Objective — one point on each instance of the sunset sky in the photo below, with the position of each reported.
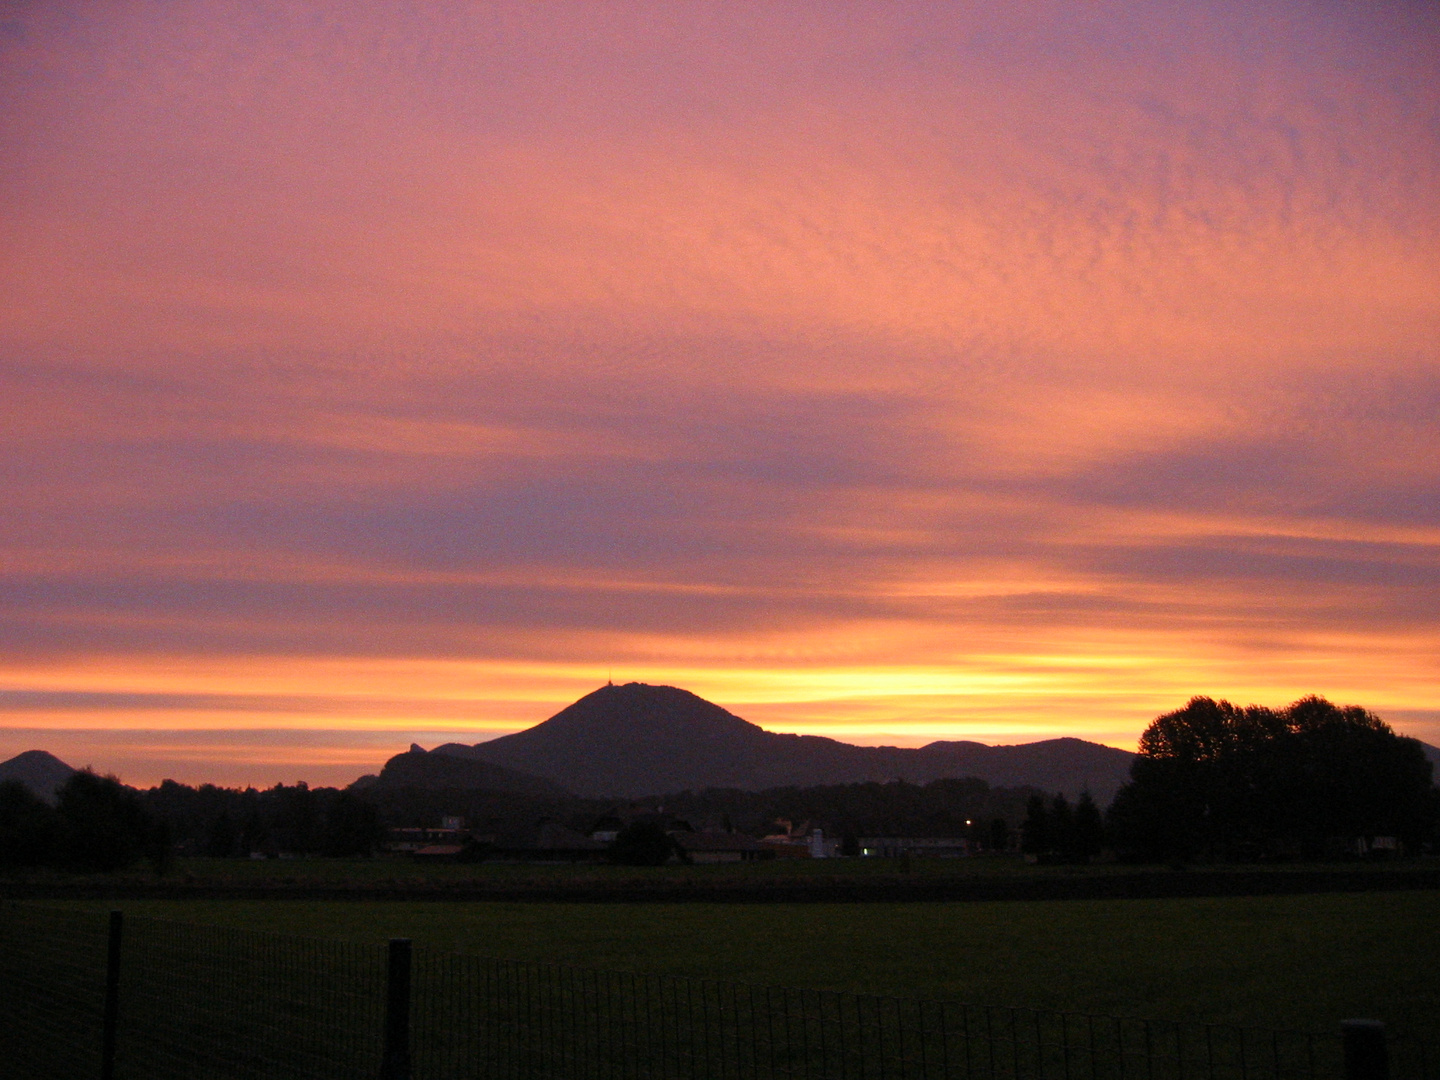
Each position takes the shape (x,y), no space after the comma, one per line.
(377,373)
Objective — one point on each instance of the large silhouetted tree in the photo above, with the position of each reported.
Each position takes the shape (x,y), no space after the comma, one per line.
(1214,780)
(642,844)
(1089,830)
(28,827)
(352,827)
(103,825)
(1062,827)
(1035,829)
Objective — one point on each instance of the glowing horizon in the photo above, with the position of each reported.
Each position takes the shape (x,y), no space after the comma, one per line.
(934,371)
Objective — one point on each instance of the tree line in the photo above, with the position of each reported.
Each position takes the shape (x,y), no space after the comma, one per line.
(964,808)
(1211,781)
(96,824)
(1055,831)
(99,824)
(968,808)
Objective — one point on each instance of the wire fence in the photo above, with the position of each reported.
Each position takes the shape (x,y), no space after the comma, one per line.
(205,1002)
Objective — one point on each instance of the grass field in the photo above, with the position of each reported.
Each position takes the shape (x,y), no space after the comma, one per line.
(401,871)
(404,872)
(1296,961)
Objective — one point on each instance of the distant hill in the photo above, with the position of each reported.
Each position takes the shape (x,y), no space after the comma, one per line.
(637,740)
(416,768)
(41,772)
(1433,754)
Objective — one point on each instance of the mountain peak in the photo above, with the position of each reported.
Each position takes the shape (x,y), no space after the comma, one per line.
(39,770)
(663,712)
(637,739)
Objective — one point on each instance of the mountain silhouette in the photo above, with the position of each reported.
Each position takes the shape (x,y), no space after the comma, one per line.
(1432,754)
(40,771)
(416,768)
(637,740)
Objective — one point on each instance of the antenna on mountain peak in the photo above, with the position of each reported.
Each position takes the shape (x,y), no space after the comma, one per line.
(609,676)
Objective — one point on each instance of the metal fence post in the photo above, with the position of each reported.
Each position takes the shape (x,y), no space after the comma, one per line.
(395,1064)
(112,998)
(1365,1056)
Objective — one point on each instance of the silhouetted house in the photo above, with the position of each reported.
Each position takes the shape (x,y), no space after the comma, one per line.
(821,848)
(413,839)
(938,847)
(1376,846)
(606,829)
(440,853)
(719,847)
(548,841)
(802,843)
(793,843)
(782,847)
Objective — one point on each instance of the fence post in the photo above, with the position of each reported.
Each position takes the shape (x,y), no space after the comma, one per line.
(1365,1056)
(112,998)
(395,1064)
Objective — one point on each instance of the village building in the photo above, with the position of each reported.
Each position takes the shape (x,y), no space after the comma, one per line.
(936,847)
(721,847)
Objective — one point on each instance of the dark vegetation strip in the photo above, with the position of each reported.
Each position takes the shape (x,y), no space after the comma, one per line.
(1140,885)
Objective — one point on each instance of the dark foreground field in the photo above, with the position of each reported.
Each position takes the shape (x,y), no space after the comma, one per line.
(783,880)
(1283,961)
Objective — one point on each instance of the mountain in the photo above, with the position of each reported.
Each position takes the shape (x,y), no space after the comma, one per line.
(416,768)
(1432,754)
(636,740)
(41,772)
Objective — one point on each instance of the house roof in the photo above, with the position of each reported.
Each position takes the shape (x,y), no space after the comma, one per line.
(706,841)
(547,836)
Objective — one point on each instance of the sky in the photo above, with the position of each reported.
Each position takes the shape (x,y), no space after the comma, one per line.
(386,372)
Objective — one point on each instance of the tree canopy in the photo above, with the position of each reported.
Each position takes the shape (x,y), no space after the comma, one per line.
(1216,780)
